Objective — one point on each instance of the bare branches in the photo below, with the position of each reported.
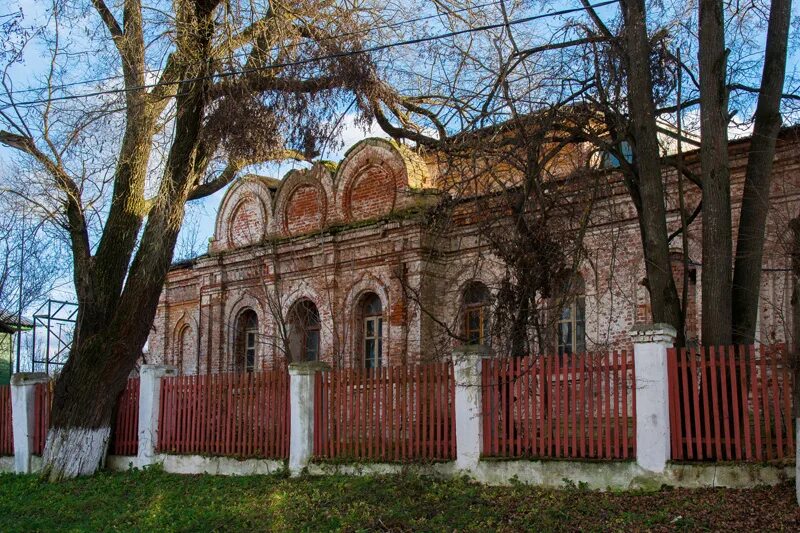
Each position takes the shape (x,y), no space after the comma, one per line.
(756,90)
(77,227)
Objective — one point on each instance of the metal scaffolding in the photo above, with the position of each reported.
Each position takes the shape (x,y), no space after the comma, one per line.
(53,325)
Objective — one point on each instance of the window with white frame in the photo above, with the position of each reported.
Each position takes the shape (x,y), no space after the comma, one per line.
(246,341)
(371,315)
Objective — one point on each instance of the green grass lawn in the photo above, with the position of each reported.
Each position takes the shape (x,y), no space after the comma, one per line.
(155,501)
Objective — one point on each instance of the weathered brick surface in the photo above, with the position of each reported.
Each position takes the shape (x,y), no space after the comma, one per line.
(305,210)
(419,270)
(371,194)
(244,213)
(247,226)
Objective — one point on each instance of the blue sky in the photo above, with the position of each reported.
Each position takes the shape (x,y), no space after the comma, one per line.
(202,213)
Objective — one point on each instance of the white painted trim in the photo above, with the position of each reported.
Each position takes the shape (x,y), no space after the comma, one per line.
(200,464)
(467,370)
(301,410)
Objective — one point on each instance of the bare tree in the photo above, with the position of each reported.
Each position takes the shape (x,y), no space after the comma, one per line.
(717,246)
(755,198)
(32,260)
(622,65)
(207,88)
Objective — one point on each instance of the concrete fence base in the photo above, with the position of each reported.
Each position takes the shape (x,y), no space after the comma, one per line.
(610,475)
(651,469)
(617,475)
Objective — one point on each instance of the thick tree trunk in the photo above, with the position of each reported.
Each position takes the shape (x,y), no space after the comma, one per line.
(755,199)
(106,349)
(100,363)
(665,304)
(83,406)
(717,247)
(795,341)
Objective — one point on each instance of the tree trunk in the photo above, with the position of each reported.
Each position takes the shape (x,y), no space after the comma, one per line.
(717,248)
(795,341)
(99,365)
(101,361)
(665,304)
(106,350)
(83,407)
(755,199)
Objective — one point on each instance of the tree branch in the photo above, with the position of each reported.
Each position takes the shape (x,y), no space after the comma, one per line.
(756,90)
(108,19)
(207,188)
(78,231)
(688,221)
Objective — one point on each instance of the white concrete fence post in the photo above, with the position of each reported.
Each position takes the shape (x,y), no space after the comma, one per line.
(469,405)
(23,417)
(650,345)
(149,403)
(301,411)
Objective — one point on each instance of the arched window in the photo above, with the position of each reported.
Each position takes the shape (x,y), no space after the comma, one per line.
(304,331)
(475,313)
(572,321)
(184,348)
(246,341)
(370,323)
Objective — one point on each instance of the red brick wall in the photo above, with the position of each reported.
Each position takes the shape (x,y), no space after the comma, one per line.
(305,210)
(436,263)
(246,226)
(371,195)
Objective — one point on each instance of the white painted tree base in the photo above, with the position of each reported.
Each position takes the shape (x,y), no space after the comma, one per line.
(73,452)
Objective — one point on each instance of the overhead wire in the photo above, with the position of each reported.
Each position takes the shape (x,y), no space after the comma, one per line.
(274,49)
(311,60)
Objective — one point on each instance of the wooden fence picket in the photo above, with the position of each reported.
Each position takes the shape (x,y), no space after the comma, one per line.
(575,406)
(391,414)
(730,403)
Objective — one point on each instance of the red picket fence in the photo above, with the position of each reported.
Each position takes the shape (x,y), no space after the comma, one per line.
(125,439)
(392,414)
(42,400)
(242,415)
(579,406)
(6,434)
(731,403)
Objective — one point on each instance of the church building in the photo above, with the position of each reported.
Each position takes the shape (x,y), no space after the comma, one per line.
(350,264)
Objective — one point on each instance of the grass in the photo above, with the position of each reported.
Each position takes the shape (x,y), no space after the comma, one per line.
(155,501)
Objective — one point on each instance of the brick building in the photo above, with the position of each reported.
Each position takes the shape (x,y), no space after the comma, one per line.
(345,263)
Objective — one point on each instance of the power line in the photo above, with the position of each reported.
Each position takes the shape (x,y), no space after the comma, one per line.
(274,49)
(338,55)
